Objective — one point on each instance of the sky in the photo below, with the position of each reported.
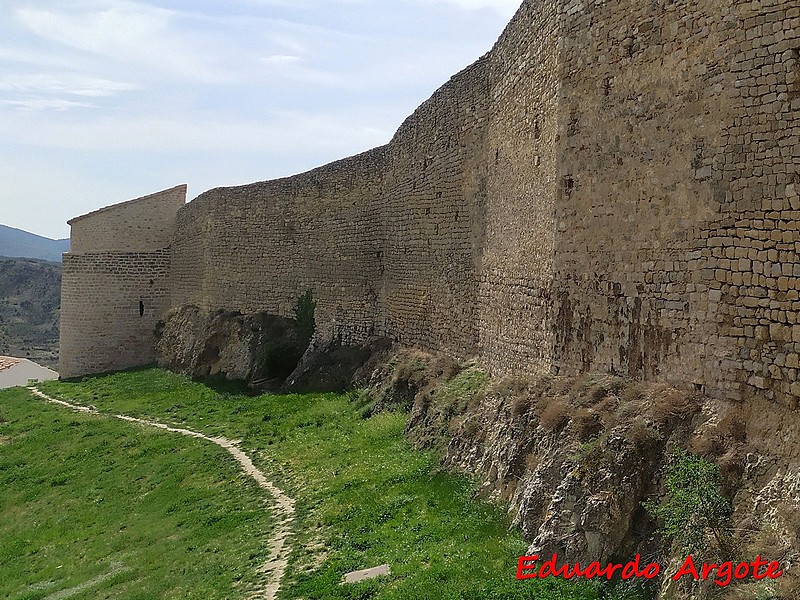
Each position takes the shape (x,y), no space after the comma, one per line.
(102,101)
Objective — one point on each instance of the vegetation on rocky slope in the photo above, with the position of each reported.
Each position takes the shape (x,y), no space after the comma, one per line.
(580,458)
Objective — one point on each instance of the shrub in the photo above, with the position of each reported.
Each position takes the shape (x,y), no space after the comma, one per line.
(521,405)
(694,504)
(585,424)
(590,455)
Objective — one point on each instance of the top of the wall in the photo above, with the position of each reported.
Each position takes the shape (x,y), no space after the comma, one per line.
(163,193)
(337,174)
(144,224)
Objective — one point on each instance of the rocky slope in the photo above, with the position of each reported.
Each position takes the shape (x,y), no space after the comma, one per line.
(255,348)
(575,459)
(30,300)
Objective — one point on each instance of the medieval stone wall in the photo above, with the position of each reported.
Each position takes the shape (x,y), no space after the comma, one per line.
(112,299)
(259,247)
(516,331)
(678,147)
(614,187)
(432,212)
(142,224)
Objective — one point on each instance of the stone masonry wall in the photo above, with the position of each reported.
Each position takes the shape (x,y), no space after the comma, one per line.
(111,300)
(146,223)
(750,250)
(259,247)
(432,216)
(515,282)
(643,114)
(614,187)
(387,240)
(676,250)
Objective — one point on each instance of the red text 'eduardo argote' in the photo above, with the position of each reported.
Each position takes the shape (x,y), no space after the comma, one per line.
(723,573)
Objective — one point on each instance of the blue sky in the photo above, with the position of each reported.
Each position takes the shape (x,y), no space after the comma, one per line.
(106,100)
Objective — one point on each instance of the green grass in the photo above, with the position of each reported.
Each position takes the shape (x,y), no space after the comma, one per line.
(120,510)
(364,497)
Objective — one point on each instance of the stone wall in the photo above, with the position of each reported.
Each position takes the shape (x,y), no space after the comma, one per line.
(676,236)
(257,248)
(614,187)
(142,224)
(387,240)
(432,216)
(516,332)
(112,299)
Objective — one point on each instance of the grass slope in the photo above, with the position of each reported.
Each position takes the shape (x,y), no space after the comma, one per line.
(364,497)
(109,509)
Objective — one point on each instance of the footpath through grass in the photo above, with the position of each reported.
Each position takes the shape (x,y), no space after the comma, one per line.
(364,496)
(93,507)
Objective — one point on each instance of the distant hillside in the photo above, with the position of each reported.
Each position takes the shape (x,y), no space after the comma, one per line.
(30,301)
(18,243)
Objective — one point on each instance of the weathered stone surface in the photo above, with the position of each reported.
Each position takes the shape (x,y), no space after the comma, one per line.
(330,366)
(201,343)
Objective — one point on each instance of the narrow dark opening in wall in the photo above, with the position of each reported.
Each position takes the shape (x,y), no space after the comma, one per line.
(141,308)
(794,69)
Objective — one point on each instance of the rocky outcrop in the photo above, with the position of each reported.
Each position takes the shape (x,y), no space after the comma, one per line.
(330,366)
(574,459)
(257,347)
(267,351)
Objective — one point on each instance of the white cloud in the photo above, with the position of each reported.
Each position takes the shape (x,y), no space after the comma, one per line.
(127,32)
(75,84)
(281,133)
(38,104)
(280,59)
(503,7)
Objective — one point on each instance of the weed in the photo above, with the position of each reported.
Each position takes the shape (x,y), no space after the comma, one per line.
(642,435)
(585,424)
(673,405)
(521,405)
(590,455)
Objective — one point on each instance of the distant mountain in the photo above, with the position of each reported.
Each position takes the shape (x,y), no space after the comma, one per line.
(18,243)
(30,304)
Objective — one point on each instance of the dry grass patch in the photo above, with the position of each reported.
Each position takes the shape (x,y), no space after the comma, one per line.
(555,415)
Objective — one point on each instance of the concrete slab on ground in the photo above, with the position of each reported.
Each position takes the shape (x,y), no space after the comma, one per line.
(19,371)
(372,573)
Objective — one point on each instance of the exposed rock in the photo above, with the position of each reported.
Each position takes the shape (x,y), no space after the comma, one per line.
(576,459)
(267,351)
(200,343)
(330,366)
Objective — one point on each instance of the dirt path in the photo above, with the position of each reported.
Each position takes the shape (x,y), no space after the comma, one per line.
(274,569)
